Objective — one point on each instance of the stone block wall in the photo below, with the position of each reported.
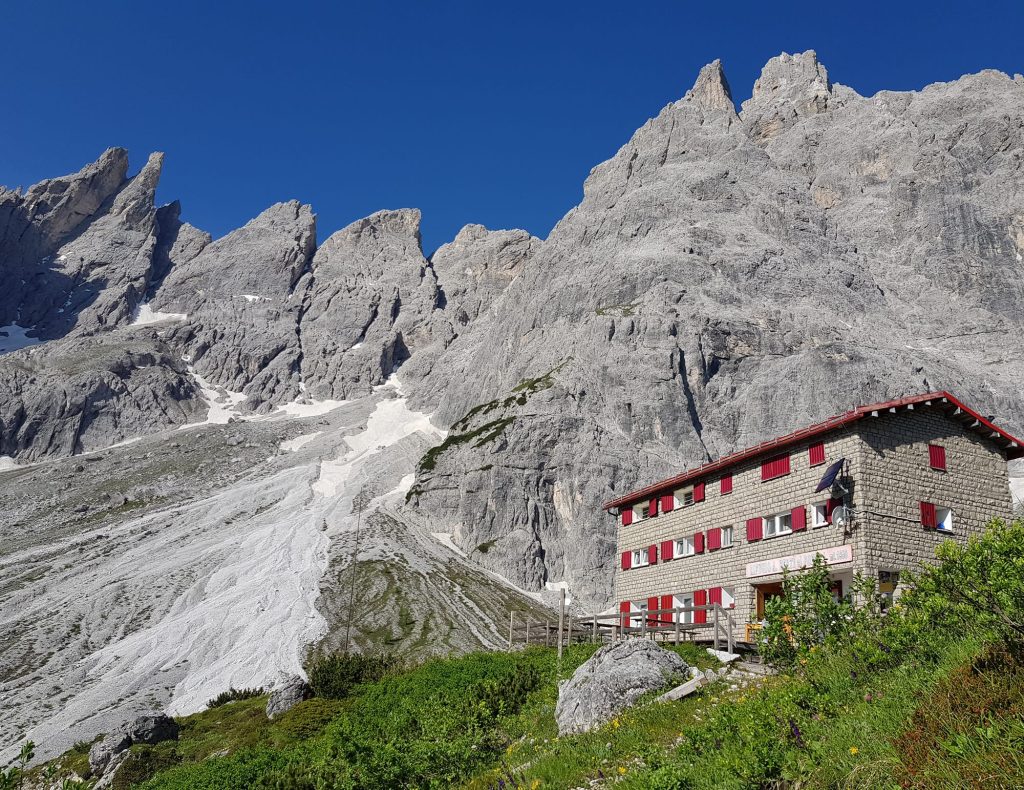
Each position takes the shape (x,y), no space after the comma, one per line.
(750,497)
(896,476)
(891,475)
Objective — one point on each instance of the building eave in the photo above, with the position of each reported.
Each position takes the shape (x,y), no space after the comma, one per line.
(1010,445)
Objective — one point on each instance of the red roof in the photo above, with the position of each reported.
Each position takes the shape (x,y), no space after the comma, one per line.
(1013,447)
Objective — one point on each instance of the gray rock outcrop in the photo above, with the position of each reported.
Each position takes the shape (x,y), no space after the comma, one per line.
(287,694)
(144,729)
(611,680)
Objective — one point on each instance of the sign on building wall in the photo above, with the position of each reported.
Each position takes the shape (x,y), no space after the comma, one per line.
(832,556)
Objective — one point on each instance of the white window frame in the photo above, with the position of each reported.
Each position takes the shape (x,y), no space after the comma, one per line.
(943,519)
(728,598)
(819,509)
(777,525)
(640,558)
(637,621)
(640,512)
(685,602)
(683,497)
(683,547)
(728,535)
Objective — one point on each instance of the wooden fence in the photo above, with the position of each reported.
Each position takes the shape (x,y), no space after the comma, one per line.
(664,625)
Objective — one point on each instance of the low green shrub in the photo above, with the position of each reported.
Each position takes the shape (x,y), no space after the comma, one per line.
(233,695)
(335,675)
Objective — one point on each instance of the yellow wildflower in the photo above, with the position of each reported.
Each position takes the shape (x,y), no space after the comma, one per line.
(854,750)
(622,770)
(535,784)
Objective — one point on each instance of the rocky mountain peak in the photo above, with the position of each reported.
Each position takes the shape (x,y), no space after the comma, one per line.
(790,87)
(711,90)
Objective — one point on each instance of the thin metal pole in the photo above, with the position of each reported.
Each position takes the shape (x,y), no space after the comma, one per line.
(561,619)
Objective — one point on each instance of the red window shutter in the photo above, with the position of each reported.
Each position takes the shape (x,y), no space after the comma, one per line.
(652,507)
(652,555)
(714,538)
(627,516)
(666,603)
(831,505)
(725,484)
(652,605)
(715,595)
(666,550)
(798,518)
(928,519)
(627,556)
(698,492)
(624,608)
(698,543)
(754,529)
(816,454)
(937,457)
(700,598)
(775,467)
(668,503)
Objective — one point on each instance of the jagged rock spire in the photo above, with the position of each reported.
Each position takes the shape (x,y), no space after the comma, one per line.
(711,90)
(790,87)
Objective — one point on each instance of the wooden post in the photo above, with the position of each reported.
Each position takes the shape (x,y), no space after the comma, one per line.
(679,616)
(561,619)
(511,625)
(643,624)
(730,624)
(527,630)
(547,634)
(716,627)
(593,634)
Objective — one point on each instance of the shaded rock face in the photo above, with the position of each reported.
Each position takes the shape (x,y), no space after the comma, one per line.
(144,729)
(727,279)
(611,680)
(287,694)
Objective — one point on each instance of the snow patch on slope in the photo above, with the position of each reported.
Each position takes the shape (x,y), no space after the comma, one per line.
(144,314)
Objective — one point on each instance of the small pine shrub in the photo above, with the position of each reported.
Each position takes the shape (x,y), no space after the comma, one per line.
(232,695)
(333,676)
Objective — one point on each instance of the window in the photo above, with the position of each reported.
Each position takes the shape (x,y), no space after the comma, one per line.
(819,514)
(816,454)
(937,457)
(686,602)
(637,621)
(728,598)
(683,548)
(779,524)
(943,519)
(726,536)
(684,497)
(725,485)
(640,558)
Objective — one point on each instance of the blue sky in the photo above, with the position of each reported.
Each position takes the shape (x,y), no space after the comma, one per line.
(472,111)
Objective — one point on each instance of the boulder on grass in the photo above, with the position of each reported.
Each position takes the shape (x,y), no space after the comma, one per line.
(611,680)
(144,729)
(287,694)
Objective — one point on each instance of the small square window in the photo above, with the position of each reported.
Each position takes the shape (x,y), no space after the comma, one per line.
(943,519)
(683,547)
(779,524)
(819,514)
(726,536)
(640,558)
